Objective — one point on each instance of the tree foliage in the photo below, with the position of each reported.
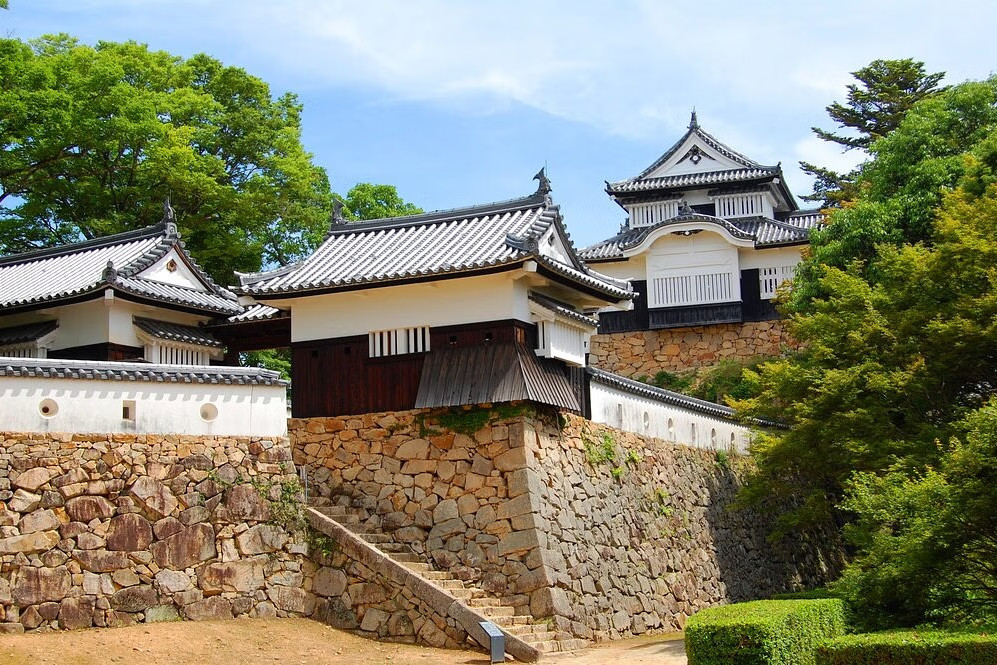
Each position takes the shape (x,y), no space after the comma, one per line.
(887,367)
(886,91)
(939,142)
(94,139)
(369,201)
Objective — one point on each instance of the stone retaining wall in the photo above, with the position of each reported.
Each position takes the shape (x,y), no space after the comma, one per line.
(646,352)
(531,509)
(108,530)
(462,501)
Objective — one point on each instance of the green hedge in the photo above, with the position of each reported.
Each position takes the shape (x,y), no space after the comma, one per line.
(763,632)
(910,647)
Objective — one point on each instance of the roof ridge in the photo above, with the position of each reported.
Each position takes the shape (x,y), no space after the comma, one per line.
(83,245)
(437,215)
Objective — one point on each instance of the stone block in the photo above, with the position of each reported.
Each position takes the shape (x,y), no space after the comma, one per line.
(173,581)
(241,576)
(185,548)
(413,449)
(154,497)
(36,585)
(374,619)
(290,599)
(215,607)
(261,539)
(101,561)
(512,459)
(129,533)
(518,542)
(32,479)
(161,613)
(39,541)
(329,582)
(76,613)
(87,508)
(24,501)
(520,505)
(134,599)
(39,520)
(445,510)
(244,503)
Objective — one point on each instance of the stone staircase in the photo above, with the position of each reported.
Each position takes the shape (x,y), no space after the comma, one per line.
(538,634)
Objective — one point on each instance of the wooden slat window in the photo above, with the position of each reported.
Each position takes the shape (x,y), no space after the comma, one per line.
(398,341)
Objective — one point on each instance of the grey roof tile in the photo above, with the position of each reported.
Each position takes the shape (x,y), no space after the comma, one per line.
(428,245)
(703,179)
(60,273)
(26,333)
(562,309)
(122,371)
(174,332)
(765,232)
(258,313)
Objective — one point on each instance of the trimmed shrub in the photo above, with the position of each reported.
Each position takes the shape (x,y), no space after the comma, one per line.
(910,647)
(763,632)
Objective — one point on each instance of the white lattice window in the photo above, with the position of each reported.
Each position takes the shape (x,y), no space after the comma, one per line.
(398,341)
(561,340)
(646,214)
(694,289)
(30,350)
(771,278)
(165,353)
(743,205)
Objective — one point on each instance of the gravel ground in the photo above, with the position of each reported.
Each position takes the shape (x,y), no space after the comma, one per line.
(297,641)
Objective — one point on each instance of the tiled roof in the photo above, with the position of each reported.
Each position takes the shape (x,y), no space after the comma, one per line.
(708,139)
(763,231)
(174,332)
(26,333)
(119,371)
(258,313)
(60,273)
(685,180)
(659,394)
(562,309)
(428,245)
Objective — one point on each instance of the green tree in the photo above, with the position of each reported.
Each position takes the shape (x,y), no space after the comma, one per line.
(927,540)
(94,139)
(887,90)
(369,201)
(888,366)
(901,187)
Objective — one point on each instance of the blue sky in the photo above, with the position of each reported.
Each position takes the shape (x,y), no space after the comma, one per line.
(457,103)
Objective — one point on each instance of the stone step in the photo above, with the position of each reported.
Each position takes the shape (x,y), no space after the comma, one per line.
(415,566)
(375,538)
(465,594)
(508,620)
(407,557)
(571,645)
(550,646)
(484,601)
(535,632)
(543,636)
(437,575)
(392,547)
(496,612)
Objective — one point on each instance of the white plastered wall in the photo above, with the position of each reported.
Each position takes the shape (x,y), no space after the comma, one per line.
(121,328)
(641,415)
(441,303)
(82,405)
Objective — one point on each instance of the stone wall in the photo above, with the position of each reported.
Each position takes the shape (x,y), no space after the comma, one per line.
(646,352)
(642,541)
(108,530)
(464,502)
(532,509)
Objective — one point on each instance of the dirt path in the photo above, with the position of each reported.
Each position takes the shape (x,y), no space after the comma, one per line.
(297,641)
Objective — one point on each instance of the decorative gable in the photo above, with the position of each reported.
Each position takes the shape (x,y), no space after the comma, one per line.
(695,155)
(173,269)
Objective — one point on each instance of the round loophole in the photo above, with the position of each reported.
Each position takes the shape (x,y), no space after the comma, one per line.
(48,408)
(209,412)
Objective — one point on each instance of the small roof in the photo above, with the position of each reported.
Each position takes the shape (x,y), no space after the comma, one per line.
(48,276)
(492,374)
(175,332)
(435,244)
(745,172)
(106,370)
(26,333)
(765,232)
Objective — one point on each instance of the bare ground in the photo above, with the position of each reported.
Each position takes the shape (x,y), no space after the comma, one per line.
(297,641)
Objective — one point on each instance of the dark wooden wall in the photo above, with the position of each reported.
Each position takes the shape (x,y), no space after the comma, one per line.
(333,377)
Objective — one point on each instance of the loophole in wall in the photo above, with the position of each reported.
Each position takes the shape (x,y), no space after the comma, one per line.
(48,408)
(209,412)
